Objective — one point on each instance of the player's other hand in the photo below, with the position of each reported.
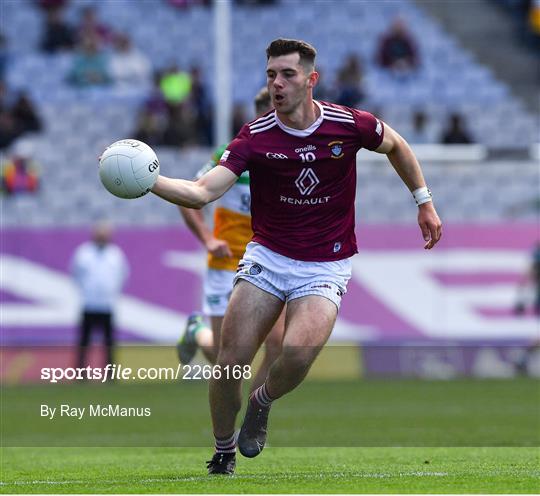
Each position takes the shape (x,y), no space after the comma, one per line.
(218,248)
(430,224)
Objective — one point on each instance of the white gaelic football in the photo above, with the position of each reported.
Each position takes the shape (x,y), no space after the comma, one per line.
(128,168)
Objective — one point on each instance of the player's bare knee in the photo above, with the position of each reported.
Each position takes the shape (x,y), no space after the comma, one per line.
(298,359)
(232,358)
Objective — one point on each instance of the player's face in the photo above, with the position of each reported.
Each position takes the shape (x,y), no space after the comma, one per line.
(287,82)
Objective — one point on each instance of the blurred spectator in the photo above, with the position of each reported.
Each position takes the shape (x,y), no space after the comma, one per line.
(349,82)
(153,116)
(58,35)
(156,103)
(3,56)
(128,66)
(20,175)
(202,107)
(48,5)
(322,91)
(25,114)
(3,95)
(90,66)
(456,131)
(183,4)
(526,16)
(8,129)
(255,3)
(178,111)
(149,128)
(100,270)
(419,133)
(175,85)
(534,17)
(91,27)
(239,117)
(180,130)
(17,116)
(397,49)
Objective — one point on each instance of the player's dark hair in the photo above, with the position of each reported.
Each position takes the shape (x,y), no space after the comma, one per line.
(283,46)
(262,101)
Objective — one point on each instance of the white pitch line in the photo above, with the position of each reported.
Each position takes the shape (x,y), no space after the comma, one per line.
(236,477)
(34,482)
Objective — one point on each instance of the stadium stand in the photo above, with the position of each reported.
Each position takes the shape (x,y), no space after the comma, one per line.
(79,123)
(497,33)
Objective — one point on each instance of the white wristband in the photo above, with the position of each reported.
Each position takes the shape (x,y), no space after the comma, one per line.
(422,195)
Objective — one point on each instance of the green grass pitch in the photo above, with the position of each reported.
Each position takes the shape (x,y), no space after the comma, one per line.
(276,470)
(392,436)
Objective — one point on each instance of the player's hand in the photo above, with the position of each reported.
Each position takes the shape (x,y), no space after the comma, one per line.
(430,224)
(218,248)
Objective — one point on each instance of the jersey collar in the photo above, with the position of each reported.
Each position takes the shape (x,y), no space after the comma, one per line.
(302,133)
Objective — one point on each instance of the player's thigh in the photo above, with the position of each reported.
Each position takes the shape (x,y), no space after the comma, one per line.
(309,323)
(275,337)
(250,315)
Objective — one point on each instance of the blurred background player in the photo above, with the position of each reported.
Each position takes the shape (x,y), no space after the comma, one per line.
(530,285)
(100,270)
(529,297)
(225,246)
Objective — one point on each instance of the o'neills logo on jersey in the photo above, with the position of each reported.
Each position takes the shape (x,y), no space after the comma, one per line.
(308,148)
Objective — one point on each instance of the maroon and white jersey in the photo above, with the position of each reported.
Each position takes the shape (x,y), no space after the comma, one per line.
(303,182)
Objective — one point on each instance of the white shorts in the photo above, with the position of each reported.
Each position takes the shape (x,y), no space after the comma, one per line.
(289,279)
(217,289)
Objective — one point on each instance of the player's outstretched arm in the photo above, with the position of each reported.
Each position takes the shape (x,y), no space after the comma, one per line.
(195,194)
(403,160)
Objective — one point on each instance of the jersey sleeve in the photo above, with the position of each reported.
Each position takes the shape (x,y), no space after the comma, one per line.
(370,129)
(236,156)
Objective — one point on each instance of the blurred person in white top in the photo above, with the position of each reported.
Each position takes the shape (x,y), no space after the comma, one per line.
(129,66)
(100,270)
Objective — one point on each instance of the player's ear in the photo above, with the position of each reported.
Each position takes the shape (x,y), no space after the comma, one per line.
(312,79)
